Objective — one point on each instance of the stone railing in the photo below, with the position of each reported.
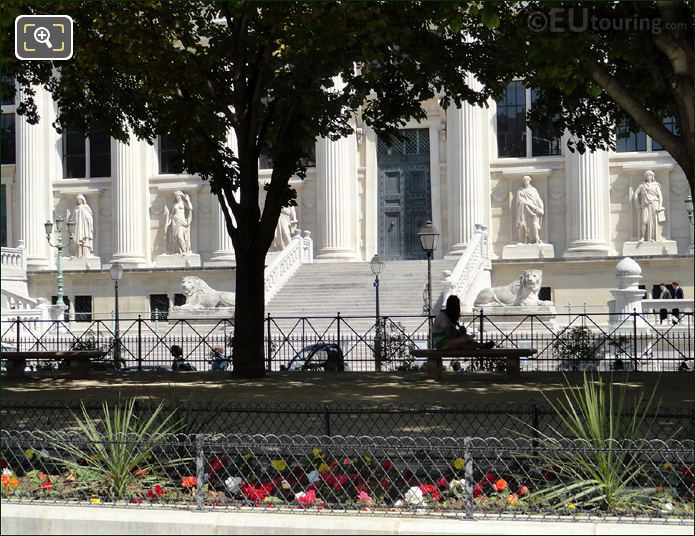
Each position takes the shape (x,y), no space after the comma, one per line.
(472,262)
(682,305)
(14,264)
(277,273)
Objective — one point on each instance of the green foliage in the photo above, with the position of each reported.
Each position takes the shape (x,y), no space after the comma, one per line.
(596,413)
(119,460)
(574,347)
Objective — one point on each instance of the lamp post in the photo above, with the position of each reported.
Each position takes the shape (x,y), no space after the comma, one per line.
(429,236)
(59,246)
(116,276)
(377,265)
(689,210)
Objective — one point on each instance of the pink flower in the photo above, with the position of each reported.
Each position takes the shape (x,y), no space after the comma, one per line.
(363,497)
(442,483)
(46,484)
(346,461)
(523,490)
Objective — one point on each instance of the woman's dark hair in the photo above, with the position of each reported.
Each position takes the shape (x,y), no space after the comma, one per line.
(177,351)
(453,308)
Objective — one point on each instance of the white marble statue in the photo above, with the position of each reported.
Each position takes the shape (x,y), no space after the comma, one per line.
(286,224)
(651,209)
(178,224)
(521,292)
(529,213)
(199,295)
(84,228)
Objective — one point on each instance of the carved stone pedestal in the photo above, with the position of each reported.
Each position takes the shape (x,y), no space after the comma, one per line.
(528,251)
(191,260)
(507,318)
(82,263)
(203,316)
(663,247)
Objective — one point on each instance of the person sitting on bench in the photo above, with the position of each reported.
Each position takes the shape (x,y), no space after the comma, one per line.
(447,334)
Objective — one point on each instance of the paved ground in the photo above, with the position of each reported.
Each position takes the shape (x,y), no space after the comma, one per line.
(674,389)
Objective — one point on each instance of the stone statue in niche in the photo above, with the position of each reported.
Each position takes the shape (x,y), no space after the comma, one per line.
(529,213)
(652,213)
(84,228)
(286,226)
(178,224)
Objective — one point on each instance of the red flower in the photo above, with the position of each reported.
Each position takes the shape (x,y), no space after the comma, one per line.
(346,461)
(490,477)
(335,482)
(523,490)
(687,470)
(308,498)
(659,488)
(431,490)
(135,501)
(3,463)
(501,484)
(216,465)
(140,472)
(189,481)
(442,483)
(46,484)
(478,489)
(386,464)
(156,492)
(257,493)
(385,483)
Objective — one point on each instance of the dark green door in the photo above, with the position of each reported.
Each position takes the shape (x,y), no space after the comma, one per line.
(404,194)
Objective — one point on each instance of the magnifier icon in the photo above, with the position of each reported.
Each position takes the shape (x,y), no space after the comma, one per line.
(42,35)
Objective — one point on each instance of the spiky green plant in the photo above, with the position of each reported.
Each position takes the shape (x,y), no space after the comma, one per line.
(119,460)
(605,476)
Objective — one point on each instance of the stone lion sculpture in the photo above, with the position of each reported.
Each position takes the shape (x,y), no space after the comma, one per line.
(199,295)
(522,292)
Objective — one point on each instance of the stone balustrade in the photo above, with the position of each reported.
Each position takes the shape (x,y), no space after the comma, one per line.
(474,260)
(277,273)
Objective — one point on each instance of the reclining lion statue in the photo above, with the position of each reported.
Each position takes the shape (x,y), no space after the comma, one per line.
(522,292)
(199,295)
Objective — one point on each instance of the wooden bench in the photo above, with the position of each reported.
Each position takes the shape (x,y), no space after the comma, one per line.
(510,355)
(78,361)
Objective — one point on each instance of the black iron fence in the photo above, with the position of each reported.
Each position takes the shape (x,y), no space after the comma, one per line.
(570,342)
(460,477)
(227,417)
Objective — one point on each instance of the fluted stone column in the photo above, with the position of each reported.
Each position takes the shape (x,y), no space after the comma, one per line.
(33,186)
(129,202)
(223,249)
(336,167)
(467,173)
(587,204)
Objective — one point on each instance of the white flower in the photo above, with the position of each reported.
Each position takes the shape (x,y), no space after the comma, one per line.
(667,506)
(457,484)
(233,484)
(313,476)
(7,472)
(299,495)
(413,496)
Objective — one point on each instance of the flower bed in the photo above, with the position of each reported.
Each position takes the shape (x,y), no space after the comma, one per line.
(375,475)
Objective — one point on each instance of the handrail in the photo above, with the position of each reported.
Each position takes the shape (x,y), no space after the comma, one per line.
(299,251)
(475,259)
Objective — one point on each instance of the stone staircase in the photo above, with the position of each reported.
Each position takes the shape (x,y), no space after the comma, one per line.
(323,289)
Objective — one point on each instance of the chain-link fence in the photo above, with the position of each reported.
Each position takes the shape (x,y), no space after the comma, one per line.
(467,477)
(571,342)
(224,416)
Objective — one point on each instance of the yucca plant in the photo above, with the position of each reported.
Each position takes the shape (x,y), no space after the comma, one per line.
(605,476)
(119,460)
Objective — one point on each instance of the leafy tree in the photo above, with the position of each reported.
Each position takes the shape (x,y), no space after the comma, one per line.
(276,75)
(599,64)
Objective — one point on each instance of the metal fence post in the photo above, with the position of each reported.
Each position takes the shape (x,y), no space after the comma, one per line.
(326,421)
(482,319)
(339,330)
(269,345)
(634,336)
(19,329)
(139,343)
(468,476)
(200,470)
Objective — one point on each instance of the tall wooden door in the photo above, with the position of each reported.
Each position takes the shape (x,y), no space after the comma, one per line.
(404,194)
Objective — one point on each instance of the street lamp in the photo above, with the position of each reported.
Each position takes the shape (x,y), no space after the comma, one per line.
(59,246)
(116,276)
(429,236)
(377,265)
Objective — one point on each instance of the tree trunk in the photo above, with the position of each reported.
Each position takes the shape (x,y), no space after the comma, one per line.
(249,308)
